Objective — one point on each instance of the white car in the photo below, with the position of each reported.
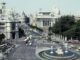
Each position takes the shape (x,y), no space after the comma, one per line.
(26,39)
(30,36)
(30,43)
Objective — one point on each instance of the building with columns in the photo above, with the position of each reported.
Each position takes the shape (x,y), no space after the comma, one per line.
(9,22)
(45,19)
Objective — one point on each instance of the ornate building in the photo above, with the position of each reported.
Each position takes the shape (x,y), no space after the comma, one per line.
(9,22)
(45,19)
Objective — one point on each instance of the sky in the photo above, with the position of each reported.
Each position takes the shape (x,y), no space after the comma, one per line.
(30,6)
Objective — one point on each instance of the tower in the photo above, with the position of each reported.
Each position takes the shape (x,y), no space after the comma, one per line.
(55,11)
(3,7)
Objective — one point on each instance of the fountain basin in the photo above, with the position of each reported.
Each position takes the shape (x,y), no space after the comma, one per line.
(46,55)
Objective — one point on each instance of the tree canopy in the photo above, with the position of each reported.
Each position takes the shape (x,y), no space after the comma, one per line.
(21,32)
(67,26)
(2,36)
(63,24)
(74,32)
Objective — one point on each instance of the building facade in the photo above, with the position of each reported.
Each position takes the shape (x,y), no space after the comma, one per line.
(9,22)
(45,19)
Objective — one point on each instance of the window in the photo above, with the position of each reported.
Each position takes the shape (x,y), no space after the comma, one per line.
(2,23)
(13,25)
(0,11)
(1,27)
(46,22)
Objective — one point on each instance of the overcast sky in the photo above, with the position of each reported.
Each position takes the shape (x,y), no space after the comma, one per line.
(29,6)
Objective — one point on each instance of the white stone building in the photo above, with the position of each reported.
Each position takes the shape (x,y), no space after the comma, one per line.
(45,19)
(9,22)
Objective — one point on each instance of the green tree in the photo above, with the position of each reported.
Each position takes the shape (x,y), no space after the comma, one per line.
(35,27)
(63,24)
(77,30)
(2,36)
(73,32)
(70,33)
(21,32)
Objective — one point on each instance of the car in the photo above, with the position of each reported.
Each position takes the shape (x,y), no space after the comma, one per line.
(30,43)
(30,36)
(26,39)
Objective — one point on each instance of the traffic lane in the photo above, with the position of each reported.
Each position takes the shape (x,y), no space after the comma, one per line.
(24,52)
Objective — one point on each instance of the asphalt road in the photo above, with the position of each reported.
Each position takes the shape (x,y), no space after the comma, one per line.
(23,51)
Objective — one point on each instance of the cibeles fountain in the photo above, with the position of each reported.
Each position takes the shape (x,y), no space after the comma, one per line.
(59,52)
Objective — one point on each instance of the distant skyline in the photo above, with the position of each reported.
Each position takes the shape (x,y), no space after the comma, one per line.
(30,6)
